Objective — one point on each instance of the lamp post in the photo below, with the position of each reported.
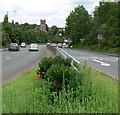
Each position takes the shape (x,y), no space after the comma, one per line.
(10,11)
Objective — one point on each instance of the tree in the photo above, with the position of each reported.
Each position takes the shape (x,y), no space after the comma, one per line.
(53,30)
(78,24)
(6,27)
(106,17)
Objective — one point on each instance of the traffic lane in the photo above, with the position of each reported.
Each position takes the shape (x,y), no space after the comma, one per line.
(103,63)
(90,55)
(108,70)
(15,65)
(12,54)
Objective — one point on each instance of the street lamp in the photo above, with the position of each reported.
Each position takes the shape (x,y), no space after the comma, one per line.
(10,11)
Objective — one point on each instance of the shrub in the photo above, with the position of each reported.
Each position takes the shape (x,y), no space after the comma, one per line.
(58,76)
(46,63)
(61,61)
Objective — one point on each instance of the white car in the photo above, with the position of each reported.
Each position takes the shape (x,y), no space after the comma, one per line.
(23,44)
(53,45)
(33,47)
(60,45)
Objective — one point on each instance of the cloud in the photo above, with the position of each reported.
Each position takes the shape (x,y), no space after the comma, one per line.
(54,11)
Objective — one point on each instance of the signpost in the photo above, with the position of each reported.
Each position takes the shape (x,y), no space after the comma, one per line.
(40,40)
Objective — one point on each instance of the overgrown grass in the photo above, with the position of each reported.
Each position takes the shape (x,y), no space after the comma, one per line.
(104,93)
(87,92)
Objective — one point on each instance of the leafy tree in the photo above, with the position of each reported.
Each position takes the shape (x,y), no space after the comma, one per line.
(6,27)
(106,17)
(78,24)
(53,30)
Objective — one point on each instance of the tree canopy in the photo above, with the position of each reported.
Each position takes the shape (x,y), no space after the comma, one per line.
(80,25)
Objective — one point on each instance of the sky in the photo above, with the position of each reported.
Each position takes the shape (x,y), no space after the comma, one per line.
(31,11)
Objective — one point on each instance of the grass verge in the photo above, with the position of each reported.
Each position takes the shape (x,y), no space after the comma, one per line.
(97,94)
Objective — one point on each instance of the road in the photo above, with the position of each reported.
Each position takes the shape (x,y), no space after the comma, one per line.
(15,63)
(98,61)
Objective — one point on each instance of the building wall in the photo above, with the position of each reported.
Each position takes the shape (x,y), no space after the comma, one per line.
(43,26)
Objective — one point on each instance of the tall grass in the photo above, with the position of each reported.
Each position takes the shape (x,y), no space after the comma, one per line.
(87,92)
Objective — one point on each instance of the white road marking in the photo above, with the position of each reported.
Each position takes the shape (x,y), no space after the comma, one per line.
(70,56)
(7,57)
(102,63)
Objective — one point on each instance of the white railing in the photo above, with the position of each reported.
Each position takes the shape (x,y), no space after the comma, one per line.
(65,55)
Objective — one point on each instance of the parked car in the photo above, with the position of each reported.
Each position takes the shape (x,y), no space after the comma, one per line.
(33,47)
(23,44)
(13,47)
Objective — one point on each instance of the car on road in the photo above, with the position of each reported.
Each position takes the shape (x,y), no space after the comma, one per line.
(53,45)
(33,47)
(13,47)
(60,45)
(23,45)
(65,45)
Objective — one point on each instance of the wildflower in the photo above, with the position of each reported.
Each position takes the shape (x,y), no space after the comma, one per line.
(36,78)
(39,75)
(43,73)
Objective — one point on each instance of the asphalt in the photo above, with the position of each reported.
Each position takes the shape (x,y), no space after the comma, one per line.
(103,53)
(16,63)
(102,62)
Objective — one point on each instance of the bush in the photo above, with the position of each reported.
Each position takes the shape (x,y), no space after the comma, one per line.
(58,75)
(61,61)
(46,63)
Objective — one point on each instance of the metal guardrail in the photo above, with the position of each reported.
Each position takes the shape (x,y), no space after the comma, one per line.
(65,55)
(79,69)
